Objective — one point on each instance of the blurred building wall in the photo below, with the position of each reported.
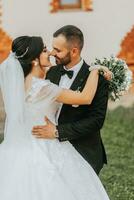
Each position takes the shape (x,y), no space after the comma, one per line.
(104,27)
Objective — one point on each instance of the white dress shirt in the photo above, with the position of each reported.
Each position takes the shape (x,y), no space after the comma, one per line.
(66,82)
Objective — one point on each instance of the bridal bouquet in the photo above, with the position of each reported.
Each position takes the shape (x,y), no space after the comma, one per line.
(122,76)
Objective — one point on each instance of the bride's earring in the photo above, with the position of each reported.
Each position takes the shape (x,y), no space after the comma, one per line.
(36,63)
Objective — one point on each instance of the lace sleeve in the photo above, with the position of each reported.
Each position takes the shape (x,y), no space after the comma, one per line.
(43,89)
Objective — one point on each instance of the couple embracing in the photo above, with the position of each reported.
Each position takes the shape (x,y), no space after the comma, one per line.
(58,158)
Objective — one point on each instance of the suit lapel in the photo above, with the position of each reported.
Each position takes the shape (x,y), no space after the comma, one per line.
(56,76)
(81,77)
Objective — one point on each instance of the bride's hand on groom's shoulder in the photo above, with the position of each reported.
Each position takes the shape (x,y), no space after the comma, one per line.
(45,131)
(107,73)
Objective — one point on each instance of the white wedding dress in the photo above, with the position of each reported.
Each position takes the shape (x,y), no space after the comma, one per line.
(43,169)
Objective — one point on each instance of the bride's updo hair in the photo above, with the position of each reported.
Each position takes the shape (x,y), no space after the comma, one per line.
(27,49)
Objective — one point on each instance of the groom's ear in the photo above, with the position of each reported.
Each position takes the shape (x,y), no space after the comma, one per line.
(74,51)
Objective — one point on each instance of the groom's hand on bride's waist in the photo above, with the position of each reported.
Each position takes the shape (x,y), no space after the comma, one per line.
(47,131)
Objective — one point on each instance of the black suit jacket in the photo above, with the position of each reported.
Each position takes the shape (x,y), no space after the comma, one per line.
(81,125)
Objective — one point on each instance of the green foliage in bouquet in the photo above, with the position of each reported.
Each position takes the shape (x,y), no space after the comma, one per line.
(122,76)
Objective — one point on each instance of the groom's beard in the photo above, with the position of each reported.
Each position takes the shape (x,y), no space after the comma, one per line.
(64,61)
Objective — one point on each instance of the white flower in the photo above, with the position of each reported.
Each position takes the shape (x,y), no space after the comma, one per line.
(102,60)
(115,58)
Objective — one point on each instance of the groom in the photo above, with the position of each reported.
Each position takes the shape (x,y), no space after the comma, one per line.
(80,125)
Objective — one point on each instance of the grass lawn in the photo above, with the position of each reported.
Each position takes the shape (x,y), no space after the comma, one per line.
(118,137)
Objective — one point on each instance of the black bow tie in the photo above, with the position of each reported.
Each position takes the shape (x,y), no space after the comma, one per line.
(68,73)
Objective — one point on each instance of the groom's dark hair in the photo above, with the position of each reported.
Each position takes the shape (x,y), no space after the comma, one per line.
(72,34)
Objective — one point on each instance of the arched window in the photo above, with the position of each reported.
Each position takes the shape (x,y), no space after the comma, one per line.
(67,4)
(60,5)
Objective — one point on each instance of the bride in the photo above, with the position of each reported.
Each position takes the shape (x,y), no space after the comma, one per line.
(32,169)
